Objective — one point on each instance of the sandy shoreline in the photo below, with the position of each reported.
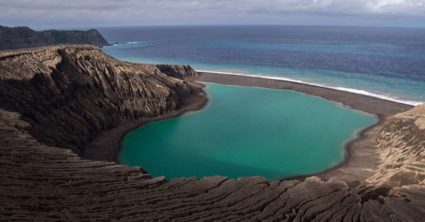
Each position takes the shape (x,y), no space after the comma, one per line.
(364,103)
(360,159)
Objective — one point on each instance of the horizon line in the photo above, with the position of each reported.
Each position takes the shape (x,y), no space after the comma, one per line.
(38,28)
(291,25)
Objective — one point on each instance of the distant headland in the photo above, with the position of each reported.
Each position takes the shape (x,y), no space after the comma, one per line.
(25,37)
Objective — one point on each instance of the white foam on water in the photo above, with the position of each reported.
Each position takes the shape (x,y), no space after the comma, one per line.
(345,89)
(126,43)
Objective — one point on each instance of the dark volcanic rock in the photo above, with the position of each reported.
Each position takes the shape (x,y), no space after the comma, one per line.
(24,37)
(71,94)
(178,71)
(64,96)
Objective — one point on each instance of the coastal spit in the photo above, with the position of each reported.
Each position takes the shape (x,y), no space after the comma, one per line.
(57,101)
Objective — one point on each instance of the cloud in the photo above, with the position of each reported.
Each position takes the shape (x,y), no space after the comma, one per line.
(349,7)
(98,12)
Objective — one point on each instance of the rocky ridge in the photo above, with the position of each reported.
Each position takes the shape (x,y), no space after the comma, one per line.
(69,94)
(62,96)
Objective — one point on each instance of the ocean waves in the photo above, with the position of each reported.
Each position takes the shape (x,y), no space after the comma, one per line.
(127,43)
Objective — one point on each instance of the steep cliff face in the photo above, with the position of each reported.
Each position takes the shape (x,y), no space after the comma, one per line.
(24,37)
(71,94)
(64,95)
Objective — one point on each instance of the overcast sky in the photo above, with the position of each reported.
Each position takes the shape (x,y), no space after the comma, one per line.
(97,13)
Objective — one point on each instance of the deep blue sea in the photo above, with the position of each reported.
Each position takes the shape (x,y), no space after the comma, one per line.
(382,62)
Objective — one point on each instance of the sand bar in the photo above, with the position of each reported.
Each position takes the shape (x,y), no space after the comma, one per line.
(378,106)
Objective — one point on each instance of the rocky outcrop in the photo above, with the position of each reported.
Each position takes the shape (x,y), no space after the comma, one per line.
(42,182)
(178,71)
(24,37)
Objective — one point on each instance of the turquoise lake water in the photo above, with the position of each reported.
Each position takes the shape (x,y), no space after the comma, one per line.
(247,131)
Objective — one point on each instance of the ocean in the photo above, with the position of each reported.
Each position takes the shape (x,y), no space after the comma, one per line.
(387,63)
